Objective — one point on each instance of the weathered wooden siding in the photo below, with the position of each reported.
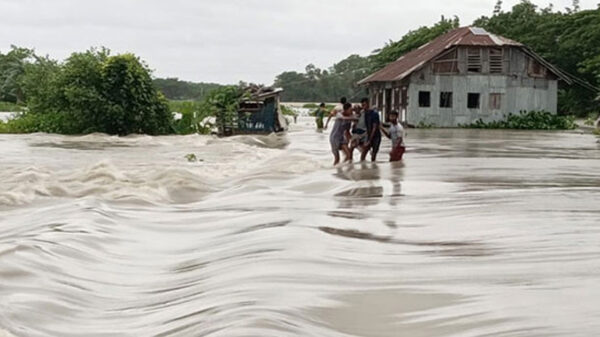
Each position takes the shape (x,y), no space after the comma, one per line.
(520,92)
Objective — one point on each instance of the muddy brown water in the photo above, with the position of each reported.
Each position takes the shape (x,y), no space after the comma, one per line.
(476,233)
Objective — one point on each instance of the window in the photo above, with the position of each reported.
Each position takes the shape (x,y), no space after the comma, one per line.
(473,101)
(496,60)
(445,99)
(447,63)
(424,99)
(495,101)
(474,60)
(535,69)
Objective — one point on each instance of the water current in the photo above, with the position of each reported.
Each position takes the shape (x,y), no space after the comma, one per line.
(475,233)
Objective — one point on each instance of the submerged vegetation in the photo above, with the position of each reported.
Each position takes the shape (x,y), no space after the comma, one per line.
(532,120)
(193,117)
(286,110)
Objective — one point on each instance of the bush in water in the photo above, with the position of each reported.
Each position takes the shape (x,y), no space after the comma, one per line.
(532,120)
(10,107)
(29,123)
(193,119)
(287,110)
(92,92)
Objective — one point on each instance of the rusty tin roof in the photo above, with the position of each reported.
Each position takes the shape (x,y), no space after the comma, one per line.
(411,61)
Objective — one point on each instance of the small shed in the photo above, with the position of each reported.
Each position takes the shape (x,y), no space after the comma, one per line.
(462,76)
(260,114)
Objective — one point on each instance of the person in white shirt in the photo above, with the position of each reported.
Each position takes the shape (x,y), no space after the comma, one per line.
(337,112)
(396,134)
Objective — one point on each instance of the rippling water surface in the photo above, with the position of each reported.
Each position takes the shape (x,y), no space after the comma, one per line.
(477,233)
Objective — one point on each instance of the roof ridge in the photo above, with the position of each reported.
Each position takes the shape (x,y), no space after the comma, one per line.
(414,59)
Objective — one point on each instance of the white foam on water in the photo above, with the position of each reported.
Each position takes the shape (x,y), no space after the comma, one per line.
(142,168)
(4,333)
(475,233)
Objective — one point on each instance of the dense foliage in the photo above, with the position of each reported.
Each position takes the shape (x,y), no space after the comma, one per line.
(569,39)
(325,85)
(223,104)
(532,120)
(176,89)
(412,40)
(91,92)
(12,69)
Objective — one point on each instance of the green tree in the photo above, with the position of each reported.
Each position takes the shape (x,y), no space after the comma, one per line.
(12,70)
(223,103)
(569,40)
(412,40)
(134,105)
(94,92)
(296,86)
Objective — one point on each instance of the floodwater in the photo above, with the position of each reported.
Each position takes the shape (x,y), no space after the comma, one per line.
(476,233)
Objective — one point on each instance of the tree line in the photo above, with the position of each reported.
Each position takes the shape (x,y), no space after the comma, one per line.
(94,91)
(176,89)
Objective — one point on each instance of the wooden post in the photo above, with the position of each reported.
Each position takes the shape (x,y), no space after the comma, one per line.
(383,105)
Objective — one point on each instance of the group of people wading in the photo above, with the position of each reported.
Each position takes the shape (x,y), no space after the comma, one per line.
(359,127)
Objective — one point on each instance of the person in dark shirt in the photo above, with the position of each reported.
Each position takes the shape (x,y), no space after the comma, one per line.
(373,133)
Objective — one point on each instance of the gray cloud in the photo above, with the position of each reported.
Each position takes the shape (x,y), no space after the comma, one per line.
(229,40)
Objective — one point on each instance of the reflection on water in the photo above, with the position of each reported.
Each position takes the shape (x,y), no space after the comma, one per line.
(476,233)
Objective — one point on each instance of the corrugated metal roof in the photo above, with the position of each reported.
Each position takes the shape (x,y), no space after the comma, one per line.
(408,63)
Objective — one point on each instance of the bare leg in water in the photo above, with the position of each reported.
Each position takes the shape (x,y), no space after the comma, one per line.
(347,153)
(336,158)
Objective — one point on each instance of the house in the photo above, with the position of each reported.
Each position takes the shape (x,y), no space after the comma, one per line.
(462,76)
(259,114)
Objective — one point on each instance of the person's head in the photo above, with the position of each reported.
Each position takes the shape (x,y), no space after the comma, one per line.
(343,100)
(393,116)
(365,103)
(347,108)
(322,106)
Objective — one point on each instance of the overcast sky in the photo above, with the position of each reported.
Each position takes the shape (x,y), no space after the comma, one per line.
(226,41)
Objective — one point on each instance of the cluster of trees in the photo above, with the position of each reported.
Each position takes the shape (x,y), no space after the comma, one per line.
(176,89)
(89,92)
(316,85)
(93,91)
(569,39)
